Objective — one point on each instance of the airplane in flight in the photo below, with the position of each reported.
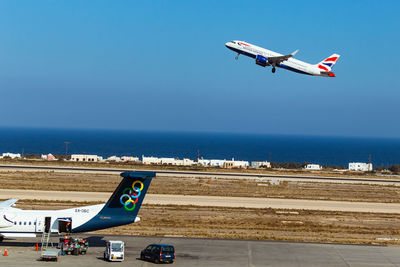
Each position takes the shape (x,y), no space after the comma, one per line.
(264,57)
(122,208)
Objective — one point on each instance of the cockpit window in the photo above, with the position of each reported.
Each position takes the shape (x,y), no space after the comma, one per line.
(233,42)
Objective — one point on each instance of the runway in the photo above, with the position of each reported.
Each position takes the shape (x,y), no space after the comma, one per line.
(213,201)
(392,180)
(209,252)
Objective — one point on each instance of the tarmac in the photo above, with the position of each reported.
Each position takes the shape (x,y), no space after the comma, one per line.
(211,201)
(210,252)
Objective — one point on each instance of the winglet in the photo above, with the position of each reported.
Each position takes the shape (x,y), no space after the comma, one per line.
(294,53)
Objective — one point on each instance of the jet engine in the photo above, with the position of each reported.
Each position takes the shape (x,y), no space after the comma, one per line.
(262,61)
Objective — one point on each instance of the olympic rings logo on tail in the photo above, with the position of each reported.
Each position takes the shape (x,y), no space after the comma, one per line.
(130,195)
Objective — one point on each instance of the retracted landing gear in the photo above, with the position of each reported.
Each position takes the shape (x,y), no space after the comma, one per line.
(237,57)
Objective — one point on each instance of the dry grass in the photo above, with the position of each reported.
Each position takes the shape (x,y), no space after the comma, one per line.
(256,224)
(203,186)
(265,224)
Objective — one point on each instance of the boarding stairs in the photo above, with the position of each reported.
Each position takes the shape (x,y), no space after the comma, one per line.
(45,241)
(46,252)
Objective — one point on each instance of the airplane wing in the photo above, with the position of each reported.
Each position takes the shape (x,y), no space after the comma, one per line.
(8,203)
(279,59)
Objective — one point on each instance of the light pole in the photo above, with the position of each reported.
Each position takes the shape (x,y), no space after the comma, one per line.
(66,148)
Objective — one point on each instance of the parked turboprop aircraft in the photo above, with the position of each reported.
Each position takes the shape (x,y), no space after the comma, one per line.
(266,57)
(122,208)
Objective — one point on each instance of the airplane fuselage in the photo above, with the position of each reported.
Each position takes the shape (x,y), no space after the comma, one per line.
(122,208)
(292,64)
(31,222)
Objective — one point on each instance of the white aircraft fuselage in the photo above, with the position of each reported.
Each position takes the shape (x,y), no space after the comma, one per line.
(16,222)
(122,208)
(265,57)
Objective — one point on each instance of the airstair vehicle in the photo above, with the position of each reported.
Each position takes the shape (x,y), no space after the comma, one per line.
(49,253)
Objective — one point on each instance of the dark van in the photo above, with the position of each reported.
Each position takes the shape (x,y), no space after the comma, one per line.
(158,253)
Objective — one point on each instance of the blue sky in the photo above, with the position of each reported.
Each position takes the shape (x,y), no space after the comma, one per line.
(162,65)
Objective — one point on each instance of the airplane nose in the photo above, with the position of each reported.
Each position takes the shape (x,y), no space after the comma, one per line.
(227,44)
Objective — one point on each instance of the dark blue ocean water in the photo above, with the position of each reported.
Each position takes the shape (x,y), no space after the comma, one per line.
(281,148)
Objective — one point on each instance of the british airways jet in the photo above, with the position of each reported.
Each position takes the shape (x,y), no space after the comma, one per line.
(122,208)
(264,58)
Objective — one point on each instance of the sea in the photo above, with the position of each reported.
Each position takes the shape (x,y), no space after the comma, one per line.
(323,150)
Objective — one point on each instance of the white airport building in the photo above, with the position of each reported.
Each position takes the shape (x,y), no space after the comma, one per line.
(260,164)
(86,158)
(236,163)
(217,162)
(313,167)
(360,166)
(113,158)
(178,162)
(11,155)
(212,162)
(150,160)
(129,159)
(168,161)
(48,157)
(188,162)
(223,163)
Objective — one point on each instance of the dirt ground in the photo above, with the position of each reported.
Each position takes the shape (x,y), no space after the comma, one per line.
(232,223)
(255,224)
(204,186)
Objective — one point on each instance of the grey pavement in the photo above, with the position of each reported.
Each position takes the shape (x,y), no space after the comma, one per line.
(210,252)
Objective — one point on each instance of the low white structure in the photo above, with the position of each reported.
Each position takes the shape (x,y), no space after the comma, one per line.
(204,162)
(11,155)
(241,164)
(212,162)
(314,167)
(360,166)
(48,157)
(217,162)
(167,161)
(185,162)
(150,160)
(223,163)
(236,163)
(178,162)
(129,159)
(114,158)
(260,164)
(85,158)
(188,162)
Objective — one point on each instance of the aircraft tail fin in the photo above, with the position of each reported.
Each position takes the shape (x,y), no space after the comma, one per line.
(328,63)
(129,195)
(124,204)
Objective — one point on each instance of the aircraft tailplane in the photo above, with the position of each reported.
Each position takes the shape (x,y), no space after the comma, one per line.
(123,205)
